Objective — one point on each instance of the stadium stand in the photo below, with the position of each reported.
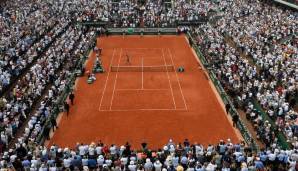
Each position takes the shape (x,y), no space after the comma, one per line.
(250,45)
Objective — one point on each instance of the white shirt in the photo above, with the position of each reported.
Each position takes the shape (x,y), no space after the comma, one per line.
(91,151)
(82,150)
(67,163)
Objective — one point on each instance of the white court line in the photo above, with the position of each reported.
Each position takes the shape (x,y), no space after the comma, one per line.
(152,56)
(115,80)
(177,79)
(163,56)
(144,66)
(141,48)
(145,89)
(124,110)
(142,73)
(104,89)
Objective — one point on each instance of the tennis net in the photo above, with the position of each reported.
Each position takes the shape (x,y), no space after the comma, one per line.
(161,68)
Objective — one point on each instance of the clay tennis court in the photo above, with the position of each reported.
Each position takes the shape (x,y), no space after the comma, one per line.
(141,97)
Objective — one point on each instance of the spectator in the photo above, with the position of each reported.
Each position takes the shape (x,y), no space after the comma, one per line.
(66,107)
(71,97)
(54,123)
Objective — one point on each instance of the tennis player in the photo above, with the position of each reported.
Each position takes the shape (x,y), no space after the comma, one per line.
(127,59)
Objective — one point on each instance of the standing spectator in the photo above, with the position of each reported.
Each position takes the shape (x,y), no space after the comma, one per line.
(71,97)
(132,166)
(66,107)
(157,165)
(228,107)
(54,123)
(46,132)
(148,166)
(235,120)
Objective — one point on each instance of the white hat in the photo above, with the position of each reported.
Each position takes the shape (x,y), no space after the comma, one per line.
(243,165)
(85,168)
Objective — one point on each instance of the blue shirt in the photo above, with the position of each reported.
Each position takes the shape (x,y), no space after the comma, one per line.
(259,165)
(241,159)
(92,163)
(237,147)
(281,157)
(26,163)
(263,157)
(184,160)
(222,148)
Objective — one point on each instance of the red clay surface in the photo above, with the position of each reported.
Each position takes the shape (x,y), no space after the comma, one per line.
(145,106)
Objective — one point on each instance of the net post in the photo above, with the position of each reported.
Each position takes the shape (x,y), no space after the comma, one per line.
(142,33)
(123,33)
(159,33)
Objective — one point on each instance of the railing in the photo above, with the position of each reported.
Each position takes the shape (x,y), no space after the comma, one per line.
(289,3)
(240,125)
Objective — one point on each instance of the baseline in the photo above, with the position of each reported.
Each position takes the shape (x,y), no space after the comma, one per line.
(144,89)
(129,110)
(142,48)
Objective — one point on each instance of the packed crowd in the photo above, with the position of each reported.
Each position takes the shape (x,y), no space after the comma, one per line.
(270,44)
(51,61)
(23,28)
(172,157)
(47,77)
(38,40)
(235,73)
(271,79)
(126,13)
